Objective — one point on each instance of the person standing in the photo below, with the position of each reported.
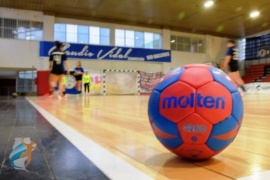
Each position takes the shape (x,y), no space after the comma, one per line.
(78,75)
(58,66)
(86,82)
(231,64)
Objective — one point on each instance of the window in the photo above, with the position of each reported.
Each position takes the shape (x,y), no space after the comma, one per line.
(120,37)
(197,45)
(25,81)
(82,34)
(139,39)
(36,30)
(94,35)
(21,29)
(105,36)
(1,26)
(10,27)
(157,43)
(71,35)
(148,40)
(60,32)
(187,44)
(129,38)
(99,35)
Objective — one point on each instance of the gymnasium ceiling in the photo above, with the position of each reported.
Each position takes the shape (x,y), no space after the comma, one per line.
(228,18)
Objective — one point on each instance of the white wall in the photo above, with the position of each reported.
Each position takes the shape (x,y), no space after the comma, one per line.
(21,14)
(20,53)
(48,28)
(214,51)
(108,64)
(182,58)
(103,64)
(216,48)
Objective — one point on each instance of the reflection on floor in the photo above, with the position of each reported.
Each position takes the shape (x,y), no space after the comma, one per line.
(120,125)
(30,148)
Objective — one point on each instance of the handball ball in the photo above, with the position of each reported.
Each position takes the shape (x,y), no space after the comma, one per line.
(195,111)
(14,95)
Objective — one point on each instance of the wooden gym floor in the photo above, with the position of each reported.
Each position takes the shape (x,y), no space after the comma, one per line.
(120,125)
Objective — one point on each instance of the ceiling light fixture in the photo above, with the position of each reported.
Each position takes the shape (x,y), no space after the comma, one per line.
(254,14)
(208,4)
(173,41)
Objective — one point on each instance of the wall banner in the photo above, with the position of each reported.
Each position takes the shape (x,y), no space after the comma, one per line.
(96,52)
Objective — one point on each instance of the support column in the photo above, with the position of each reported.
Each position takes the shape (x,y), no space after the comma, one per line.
(166,35)
(166,44)
(166,67)
(48,35)
(48,28)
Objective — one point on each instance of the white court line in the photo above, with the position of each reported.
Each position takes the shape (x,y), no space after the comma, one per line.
(111,165)
(258,176)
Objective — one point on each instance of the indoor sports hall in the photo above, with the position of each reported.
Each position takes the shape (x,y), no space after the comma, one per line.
(134,90)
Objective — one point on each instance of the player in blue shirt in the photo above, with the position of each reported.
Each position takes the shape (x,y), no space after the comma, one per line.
(58,66)
(79,71)
(231,63)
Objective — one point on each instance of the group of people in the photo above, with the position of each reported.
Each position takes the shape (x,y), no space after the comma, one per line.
(82,76)
(59,68)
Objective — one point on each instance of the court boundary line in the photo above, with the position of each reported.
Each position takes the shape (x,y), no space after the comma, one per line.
(257,176)
(112,166)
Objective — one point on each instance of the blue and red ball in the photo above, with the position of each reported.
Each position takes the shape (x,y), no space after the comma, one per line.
(195,111)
